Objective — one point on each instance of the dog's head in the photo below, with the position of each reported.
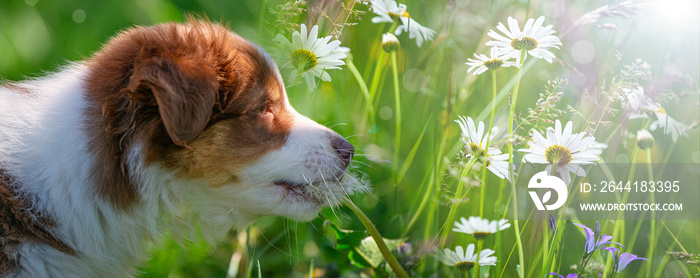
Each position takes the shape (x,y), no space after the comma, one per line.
(198,106)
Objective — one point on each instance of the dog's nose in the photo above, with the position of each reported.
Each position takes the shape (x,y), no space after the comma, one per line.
(344,149)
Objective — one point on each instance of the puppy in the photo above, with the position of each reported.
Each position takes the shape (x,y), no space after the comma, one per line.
(166,128)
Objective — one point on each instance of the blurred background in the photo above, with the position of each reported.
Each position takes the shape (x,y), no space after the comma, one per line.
(40,36)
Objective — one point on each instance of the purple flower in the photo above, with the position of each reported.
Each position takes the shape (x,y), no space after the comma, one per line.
(620,262)
(595,240)
(571,275)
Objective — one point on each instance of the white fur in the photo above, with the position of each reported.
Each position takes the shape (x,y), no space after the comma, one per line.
(44,146)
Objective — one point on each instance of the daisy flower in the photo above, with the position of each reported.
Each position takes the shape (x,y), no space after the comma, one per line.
(534,38)
(480,228)
(465,260)
(311,55)
(390,43)
(388,11)
(644,139)
(668,125)
(483,63)
(342,50)
(563,149)
(639,105)
(496,161)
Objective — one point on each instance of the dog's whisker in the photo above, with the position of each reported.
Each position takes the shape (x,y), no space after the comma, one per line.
(325,184)
(331,126)
(330,191)
(273,245)
(354,135)
(287,235)
(345,190)
(308,182)
(356,164)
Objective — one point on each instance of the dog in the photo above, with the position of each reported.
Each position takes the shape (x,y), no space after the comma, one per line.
(166,128)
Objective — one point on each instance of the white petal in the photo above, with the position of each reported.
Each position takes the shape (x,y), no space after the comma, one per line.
(313,34)
(505,31)
(538,23)
(382,19)
(310,81)
(527,28)
(470,251)
(460,252)
(514,28)
(498,36)
(303,34)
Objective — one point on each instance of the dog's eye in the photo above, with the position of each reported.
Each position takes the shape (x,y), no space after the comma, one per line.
(267,108)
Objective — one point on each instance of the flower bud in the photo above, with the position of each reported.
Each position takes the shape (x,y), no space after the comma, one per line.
(644,139)
(552,224)
(390,43)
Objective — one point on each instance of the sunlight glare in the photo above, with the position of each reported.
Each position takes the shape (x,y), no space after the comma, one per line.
(678,12)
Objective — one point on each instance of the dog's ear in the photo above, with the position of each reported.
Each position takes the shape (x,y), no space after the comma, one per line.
(184,90)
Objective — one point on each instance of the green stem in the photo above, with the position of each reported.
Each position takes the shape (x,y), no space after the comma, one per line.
(493,106)
(397,103)
(436,189)
(428,191)
(479,246)
(652,223)
(453,209)
(620,224)
(555,247)
(670,248)
(545,244)
(376,76)
(363,87)
(300,70)
(488,141)
(311,269)
(482,194)
(421,205)
(378,69)
(393,263)
(662,265)
(511,115)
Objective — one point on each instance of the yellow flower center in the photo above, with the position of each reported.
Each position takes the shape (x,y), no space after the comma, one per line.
(303,58)
(526,43)
(661,110)
(465,266)
(557,154)
(476,149)
(396,16)
(493,64)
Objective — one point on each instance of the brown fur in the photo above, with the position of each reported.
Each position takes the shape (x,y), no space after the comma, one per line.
(204,101)
(17,88)
(20,223)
